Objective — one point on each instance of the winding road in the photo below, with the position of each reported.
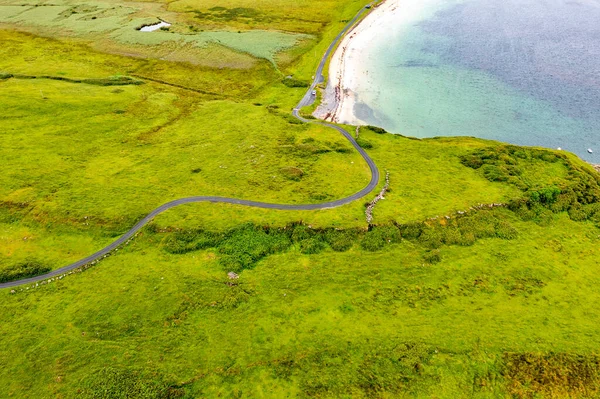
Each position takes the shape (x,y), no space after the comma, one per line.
(307,100)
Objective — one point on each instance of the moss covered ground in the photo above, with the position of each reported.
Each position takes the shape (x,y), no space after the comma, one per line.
(477,277)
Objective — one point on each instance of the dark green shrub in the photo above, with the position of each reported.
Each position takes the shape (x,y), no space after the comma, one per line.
(379,236)
(505,163)
(312,245)
(244,246)
(291,119)
(592,209)
(456,236)
(301,232)
(237,262)
(477,225)
(410,231)
(191,240)
(367,145)
(432,237)
(545,196)
(341,148)
(291,82)
(467,238)
(494,173)
(577,214)
(523,212)
(595,218)
(23,270)
(506,231)
(507,159)
(432,257)
(543,216)
(471,161)
(341,240)
(580,212)
(309,149)
(376,129)
(564,201)
(451,235)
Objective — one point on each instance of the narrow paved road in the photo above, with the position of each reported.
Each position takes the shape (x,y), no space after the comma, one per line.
(308,99)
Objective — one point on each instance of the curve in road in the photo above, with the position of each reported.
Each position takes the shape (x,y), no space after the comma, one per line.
(308,99)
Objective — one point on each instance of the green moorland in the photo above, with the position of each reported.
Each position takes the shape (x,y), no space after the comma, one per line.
(442,296)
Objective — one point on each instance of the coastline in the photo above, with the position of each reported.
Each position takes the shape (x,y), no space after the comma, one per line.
(339,99)
(355,91)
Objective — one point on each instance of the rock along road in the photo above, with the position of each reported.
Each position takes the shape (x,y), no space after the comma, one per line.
(307,100)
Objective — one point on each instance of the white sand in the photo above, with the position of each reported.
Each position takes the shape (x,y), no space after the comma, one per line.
(346,71)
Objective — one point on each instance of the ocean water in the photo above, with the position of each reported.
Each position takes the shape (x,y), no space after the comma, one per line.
(520,71)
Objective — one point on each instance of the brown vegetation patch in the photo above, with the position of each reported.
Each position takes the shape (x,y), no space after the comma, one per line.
(552,375)
(292,173)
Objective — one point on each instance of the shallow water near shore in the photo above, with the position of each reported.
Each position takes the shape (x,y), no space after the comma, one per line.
(157,26)
(525,72)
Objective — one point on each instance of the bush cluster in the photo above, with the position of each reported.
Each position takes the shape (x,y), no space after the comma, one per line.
(376,129)
(242,247)
(367,145)
(577,193)
(23,270)
(291,82)
(464,230)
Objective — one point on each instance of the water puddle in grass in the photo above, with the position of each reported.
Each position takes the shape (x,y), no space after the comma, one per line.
(152,28)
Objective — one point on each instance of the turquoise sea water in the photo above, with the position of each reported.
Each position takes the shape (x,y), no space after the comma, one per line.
(521,71)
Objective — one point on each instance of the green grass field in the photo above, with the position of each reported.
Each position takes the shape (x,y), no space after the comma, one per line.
(442,296)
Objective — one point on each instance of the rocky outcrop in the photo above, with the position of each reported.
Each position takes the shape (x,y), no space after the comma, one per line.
(380,196)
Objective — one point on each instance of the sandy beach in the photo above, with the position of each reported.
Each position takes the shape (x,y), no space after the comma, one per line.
(428,68)
(340,99)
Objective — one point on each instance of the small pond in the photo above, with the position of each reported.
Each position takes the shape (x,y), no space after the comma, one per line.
(151,28)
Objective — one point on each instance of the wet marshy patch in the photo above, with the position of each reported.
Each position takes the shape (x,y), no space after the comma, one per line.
(552,375)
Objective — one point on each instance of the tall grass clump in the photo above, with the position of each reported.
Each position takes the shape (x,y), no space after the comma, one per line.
(186,241)
(291,82)
(23,270)
(117,383)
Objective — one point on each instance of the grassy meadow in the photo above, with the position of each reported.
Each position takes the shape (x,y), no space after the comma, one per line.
(441,296)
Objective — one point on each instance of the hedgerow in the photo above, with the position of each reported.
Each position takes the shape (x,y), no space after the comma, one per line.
(242,247)
(23,270)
